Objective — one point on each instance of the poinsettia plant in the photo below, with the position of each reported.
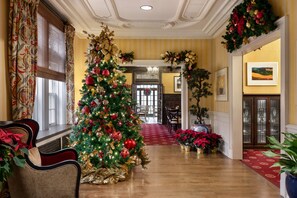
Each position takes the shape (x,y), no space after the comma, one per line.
(248,19)
(196,139)
(11,152)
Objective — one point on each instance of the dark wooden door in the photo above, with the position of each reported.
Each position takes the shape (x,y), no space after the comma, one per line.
(260,116)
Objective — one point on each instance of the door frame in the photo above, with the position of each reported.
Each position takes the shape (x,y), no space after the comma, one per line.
(235,87)
(235,61)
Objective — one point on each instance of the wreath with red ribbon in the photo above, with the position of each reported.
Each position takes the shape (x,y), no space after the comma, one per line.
(147,92)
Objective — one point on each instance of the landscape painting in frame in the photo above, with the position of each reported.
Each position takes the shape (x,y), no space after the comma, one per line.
(262,73)
(221,85)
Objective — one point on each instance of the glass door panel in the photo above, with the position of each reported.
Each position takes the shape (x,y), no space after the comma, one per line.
(261,112)
(147,98)
(247,120)
(274,118)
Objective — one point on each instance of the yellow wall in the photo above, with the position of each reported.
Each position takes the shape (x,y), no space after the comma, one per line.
(129,78)
(146,49)
(267,53)
(168,83)
(4,80)
(219,62)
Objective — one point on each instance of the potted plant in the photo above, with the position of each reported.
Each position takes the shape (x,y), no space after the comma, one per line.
(202,142)
(11,152)
(207,142)
(287,161)
(198,83)
(185,138)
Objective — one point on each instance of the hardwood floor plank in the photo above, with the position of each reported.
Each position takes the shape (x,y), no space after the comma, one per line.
(173,173)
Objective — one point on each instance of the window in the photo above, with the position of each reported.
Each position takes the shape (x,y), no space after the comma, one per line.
(50,100)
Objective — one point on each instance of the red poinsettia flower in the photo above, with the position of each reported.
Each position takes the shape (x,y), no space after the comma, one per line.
(201,143)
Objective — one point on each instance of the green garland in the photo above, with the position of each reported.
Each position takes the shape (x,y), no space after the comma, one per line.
(186,56)
(126,57)
(248,19)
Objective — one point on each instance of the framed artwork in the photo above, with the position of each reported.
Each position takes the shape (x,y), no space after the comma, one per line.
(221,82)
(262,73)
(177,84)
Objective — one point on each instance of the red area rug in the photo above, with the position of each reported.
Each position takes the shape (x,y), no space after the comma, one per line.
(261,164)
(157,134)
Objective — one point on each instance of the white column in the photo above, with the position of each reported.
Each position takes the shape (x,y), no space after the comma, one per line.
(184,102)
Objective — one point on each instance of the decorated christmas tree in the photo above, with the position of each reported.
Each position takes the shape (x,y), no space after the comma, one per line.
(106,134)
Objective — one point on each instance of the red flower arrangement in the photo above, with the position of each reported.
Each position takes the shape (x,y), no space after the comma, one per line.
(198,139)
(11,150)
(248,19)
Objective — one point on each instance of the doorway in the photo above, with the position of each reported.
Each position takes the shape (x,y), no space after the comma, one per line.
(149,102)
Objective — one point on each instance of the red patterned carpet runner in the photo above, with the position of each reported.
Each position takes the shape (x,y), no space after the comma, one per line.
(254,159)
(157,134)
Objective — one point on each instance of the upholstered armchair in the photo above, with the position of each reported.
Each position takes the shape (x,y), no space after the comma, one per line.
(44,175)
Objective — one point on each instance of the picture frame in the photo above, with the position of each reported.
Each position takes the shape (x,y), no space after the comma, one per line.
(221,85)
(262,73)
(177,84)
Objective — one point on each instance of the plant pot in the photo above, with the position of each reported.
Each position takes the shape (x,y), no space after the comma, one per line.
(182,147)
(199,151)
(214,150)
(187,149)
(291,185)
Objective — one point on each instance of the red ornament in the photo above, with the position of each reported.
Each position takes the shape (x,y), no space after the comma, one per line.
(93,104)
(114,116)
(117,136)
(108,129)
(85,110)
(259,15)
(114,85)
(133,143)
(96,70)
(125,153)
(79,103)
(105,72)
(130,144)
(90,80)
(100,154)
(105,109)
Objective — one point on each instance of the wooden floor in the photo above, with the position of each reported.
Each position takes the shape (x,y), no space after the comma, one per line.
(173,173)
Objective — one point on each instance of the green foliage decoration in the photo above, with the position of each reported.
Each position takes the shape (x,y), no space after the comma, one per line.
(248,19)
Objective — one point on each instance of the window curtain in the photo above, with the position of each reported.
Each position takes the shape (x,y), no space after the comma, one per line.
(22,52)
(70,31)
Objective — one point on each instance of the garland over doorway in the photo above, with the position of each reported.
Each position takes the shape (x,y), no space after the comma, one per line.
(252,18)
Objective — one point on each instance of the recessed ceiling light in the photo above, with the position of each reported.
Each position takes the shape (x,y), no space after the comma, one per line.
(146,7)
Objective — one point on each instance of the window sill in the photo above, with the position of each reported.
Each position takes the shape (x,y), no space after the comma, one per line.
(53,133)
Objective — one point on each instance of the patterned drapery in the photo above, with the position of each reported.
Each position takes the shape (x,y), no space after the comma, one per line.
(70,31)
(22,52)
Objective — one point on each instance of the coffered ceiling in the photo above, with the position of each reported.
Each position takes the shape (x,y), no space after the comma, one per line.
(167,19)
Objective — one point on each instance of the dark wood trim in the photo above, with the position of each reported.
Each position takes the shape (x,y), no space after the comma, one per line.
(52,18)
(50,74)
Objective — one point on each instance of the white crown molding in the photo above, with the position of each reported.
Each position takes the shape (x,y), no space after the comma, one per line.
(204,24)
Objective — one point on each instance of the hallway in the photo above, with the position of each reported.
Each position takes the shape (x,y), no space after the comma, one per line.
(173,173)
